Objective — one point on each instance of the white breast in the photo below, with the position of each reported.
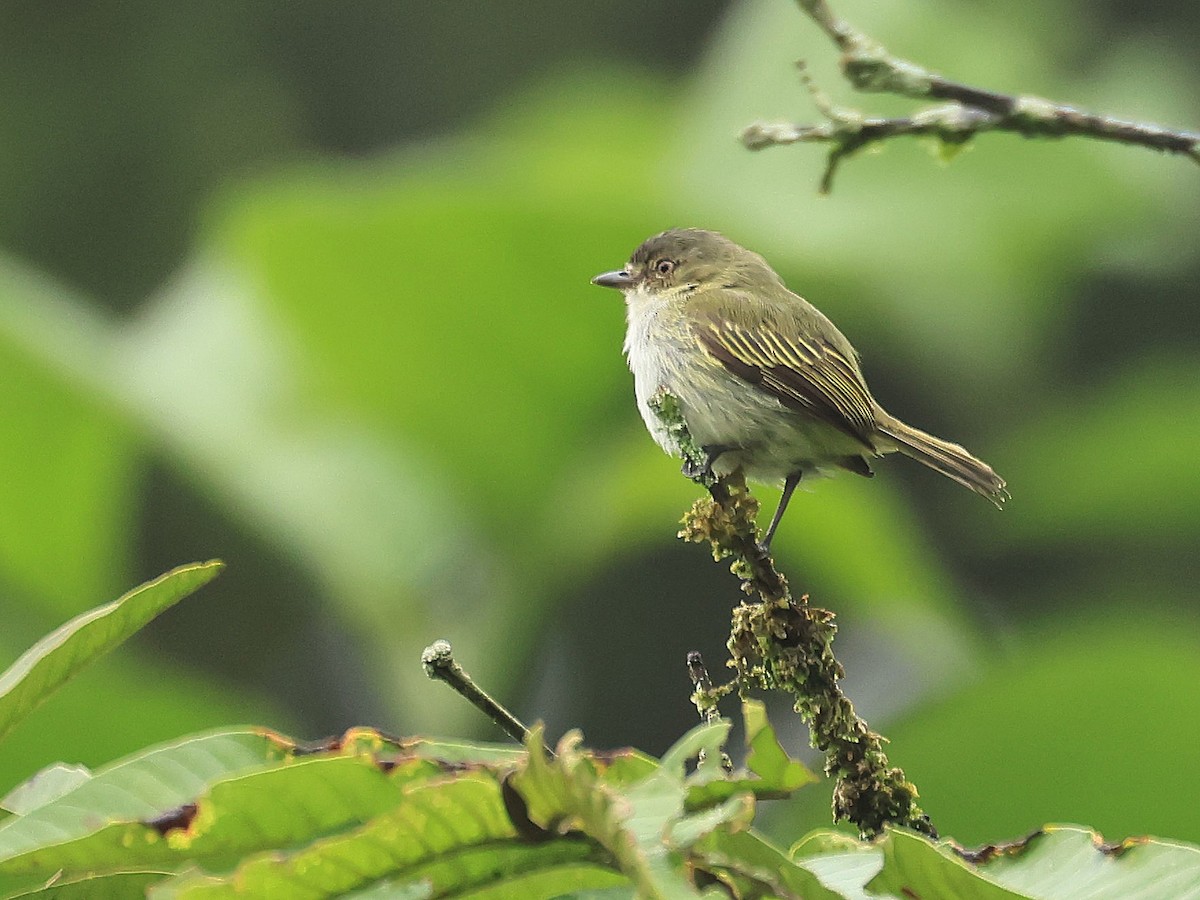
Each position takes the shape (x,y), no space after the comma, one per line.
(652,358)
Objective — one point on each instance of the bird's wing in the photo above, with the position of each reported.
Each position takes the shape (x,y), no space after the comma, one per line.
(807,374)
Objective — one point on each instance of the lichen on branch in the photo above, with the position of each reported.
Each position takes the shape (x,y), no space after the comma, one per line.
(777,643)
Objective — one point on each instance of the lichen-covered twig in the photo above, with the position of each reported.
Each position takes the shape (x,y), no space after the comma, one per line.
(785,645)
(869,67)
(781,644)
(705,697)
(439,664)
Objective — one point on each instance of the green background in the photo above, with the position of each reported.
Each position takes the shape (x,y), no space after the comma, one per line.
(305,287)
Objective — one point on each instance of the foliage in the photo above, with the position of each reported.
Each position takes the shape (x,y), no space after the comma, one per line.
(61,654)
(252,813)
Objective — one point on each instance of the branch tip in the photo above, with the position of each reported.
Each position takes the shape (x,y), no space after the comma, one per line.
(439,663)
(436,657)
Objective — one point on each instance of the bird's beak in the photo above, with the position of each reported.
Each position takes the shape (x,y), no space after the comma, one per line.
(620,279)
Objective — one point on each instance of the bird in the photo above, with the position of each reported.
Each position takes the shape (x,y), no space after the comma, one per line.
(764,381)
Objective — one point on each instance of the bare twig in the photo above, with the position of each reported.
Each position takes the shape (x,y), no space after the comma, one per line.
(440,665)
(869,67)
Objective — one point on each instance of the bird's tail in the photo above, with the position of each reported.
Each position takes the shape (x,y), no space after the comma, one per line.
(949,459)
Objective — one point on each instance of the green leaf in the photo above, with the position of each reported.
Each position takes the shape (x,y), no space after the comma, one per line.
(645,824)
(1069,861)
(48,784)
(452,834)
(122,705)
(53,660)
(561,881)
(218,798)
(824,842)
(132,790)
(749,855)
(914,866)
(463,751)
(767,758)
(625,766)
(707,739)
(773,773)
(362,812)
(282,807)
(631,824)
(842,863)
(242,797)
(110,886)
(1058,862)
(390,890)
(737,812)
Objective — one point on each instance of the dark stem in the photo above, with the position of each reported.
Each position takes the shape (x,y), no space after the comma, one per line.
(439,664)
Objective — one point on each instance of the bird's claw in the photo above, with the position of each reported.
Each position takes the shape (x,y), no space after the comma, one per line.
(704,470)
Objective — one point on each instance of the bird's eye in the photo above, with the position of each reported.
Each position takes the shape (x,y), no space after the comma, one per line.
(665,266)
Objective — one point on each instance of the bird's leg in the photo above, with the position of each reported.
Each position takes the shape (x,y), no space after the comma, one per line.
(712,452)
(789,485)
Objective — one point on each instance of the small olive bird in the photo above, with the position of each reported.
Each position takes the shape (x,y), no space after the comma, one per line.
(765,382)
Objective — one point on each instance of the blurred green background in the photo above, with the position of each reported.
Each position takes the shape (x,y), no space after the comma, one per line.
(304,286)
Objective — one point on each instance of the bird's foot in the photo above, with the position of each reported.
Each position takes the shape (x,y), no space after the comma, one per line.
(704,470)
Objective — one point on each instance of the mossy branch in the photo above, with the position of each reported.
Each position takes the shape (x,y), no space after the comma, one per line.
(777,643)
(869,67)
